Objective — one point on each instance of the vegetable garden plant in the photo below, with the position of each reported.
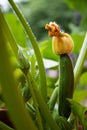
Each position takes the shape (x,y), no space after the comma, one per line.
(24,91)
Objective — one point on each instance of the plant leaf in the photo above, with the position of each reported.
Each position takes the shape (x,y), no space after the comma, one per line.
(79,111)
(46,50)
(16,28)
(83,79)
(80,95)
(78,40)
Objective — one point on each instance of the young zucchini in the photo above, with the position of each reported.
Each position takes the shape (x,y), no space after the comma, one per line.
(66,83)
(62,44)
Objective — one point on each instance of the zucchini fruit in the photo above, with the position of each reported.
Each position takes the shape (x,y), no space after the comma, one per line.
(66,83)
(62,44)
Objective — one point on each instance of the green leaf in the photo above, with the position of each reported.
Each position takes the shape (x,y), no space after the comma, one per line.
(80,95)
(83,79)
(17,29)
(80,5)
(78,40)
(46,50)
(80,111)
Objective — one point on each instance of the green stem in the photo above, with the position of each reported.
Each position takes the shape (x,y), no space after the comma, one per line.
(77,123)
(39,121)
(12,96)
(33,65)
(43,107)
(8,34)
(3,126)
(33,40)
(53,98)
(80,61)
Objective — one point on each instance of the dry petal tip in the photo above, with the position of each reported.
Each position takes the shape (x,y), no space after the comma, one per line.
(53,29)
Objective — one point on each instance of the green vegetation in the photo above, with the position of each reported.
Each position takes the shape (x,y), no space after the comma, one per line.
(29,89)
(55,11)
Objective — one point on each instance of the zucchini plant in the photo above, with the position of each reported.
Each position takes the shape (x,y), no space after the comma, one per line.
(24,85)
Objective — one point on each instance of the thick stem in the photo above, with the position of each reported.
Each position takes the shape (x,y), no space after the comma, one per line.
(80,61)
(43,107)
(53,98)
(12,96)
(33,40)
(39,121)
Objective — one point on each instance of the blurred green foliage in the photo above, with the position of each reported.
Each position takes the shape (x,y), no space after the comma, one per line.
(83,79)
(41,12)
(46,50)
(17,29)
(81,6)
(76,4)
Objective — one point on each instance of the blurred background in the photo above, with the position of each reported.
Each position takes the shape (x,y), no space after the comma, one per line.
(70,15)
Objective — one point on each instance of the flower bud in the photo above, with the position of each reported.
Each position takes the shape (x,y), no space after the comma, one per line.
(62,43)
